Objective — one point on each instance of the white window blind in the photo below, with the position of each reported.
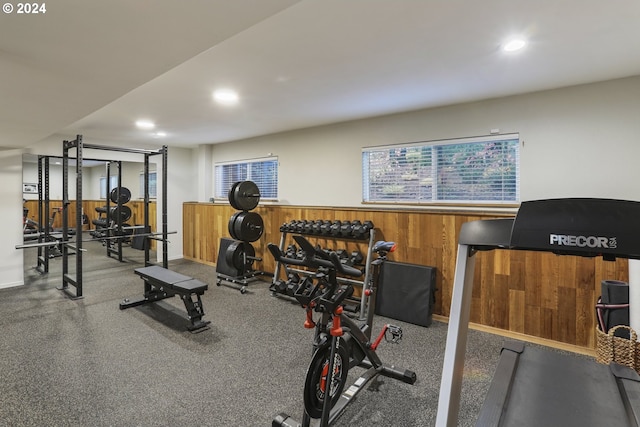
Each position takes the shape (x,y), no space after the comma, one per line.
(482,170)
(264,172)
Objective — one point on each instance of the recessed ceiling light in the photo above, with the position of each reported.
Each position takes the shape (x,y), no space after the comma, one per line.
(226,96)
(145,124)
(159,134)
(514,44)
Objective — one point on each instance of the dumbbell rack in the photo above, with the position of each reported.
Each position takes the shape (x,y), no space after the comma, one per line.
(363,300)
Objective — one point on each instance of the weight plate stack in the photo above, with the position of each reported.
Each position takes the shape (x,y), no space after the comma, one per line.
(244,227)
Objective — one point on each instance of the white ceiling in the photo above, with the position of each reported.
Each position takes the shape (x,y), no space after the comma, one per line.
(95,67)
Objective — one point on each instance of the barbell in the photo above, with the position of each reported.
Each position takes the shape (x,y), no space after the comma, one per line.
(70,242)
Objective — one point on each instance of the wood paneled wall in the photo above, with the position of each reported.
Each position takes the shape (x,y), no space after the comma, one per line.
(88,206)
(534,293)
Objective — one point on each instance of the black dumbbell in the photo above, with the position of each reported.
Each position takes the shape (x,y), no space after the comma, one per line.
(291,251)
(368,226)
(308,227)
(291,226)
(300,226)
(355,227)
(293,279)
(343,255)
(280,286)
(345,229)
(356,258)
(291,288)
(325,228)
(362,232)
(335,227)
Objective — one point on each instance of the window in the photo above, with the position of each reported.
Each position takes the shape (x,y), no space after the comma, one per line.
(264,172)
(113,183)
(153,185)
(483,170)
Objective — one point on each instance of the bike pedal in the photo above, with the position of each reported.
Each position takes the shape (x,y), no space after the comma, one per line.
(393,334)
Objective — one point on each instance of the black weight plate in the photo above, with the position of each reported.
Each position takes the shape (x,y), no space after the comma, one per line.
(248,226)
(125,195)
(232,229)
(246,195)
(231,196)
(240,255)
(124,212)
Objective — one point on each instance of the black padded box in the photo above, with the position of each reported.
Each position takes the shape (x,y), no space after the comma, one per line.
(223,266)
(406,292)
(138,242)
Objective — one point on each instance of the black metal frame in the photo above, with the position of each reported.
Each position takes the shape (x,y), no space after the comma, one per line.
(43,206)
(45,232)
(114,247)
(76,282)
(356,337)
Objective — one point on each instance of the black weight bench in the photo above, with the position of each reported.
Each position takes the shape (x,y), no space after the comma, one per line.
(160,283)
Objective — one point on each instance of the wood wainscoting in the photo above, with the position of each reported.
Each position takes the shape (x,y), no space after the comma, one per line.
(532,293)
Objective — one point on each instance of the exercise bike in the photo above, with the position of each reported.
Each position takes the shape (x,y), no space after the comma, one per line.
(339,342)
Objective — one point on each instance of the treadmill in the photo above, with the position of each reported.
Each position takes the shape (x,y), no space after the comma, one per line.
(532,386)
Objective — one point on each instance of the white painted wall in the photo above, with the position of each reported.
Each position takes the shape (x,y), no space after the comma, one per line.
(182,186)
(30,175)
(90,179)
(580,141)
(11,259)
(205,172)
(131,172)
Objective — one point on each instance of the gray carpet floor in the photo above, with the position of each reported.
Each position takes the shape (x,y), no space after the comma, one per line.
(85,362)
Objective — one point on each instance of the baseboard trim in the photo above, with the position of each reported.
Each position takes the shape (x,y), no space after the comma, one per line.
(199,261)
(526,338)
(11,284)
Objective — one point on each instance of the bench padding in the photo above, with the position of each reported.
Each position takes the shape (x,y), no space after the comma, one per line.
(161,274)
(176,280)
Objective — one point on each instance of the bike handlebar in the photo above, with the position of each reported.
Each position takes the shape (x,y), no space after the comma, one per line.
(331,260)
(277,254)
(317,258)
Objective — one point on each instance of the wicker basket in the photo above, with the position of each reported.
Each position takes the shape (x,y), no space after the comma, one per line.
(622,351)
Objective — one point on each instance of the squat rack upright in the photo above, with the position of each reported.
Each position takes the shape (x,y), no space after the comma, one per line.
(76,282)
(44,231)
